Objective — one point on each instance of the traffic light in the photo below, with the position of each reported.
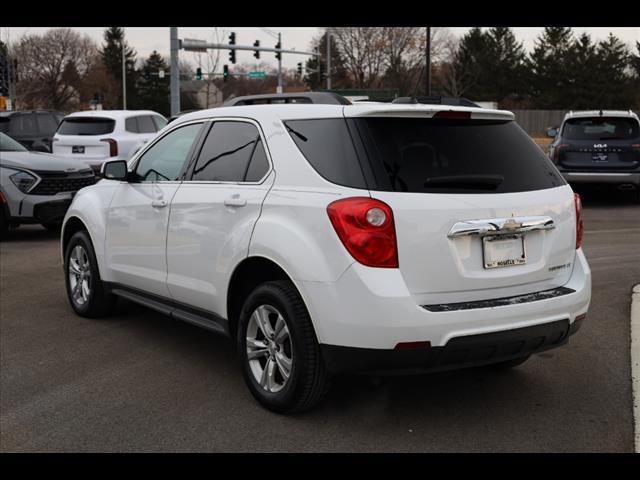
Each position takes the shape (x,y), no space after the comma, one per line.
(300,69)
(232,38)
(257,52)
(232,56)
(232,51)
(225,73)
(198,73)
(278,54)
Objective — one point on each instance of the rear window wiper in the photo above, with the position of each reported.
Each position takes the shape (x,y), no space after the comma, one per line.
(475,182)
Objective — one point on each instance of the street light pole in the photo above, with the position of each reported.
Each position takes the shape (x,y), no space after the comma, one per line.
(428,65)
(124,75)
(175,73)
(328,59)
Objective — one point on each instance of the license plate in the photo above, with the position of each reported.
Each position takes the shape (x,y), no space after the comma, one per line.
(503,251)
(600,157)
(77,149)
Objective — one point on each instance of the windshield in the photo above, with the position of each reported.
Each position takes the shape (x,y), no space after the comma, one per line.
(8,144)
(86,126)
(600,128)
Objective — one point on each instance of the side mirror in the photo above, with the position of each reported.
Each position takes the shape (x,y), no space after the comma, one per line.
(114,170)
(552,132)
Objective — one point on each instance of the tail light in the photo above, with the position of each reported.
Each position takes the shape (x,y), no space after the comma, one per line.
(579,226)
(113,146)
(453,115)
(365,227)
(556,152)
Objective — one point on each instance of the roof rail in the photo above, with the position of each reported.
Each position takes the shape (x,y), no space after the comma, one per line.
(325,98)
(437,100)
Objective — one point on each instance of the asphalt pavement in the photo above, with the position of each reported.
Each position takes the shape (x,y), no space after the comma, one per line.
(139,381)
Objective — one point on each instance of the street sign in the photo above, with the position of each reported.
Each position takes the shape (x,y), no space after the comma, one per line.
(194,45)
(257,74)
(160,73)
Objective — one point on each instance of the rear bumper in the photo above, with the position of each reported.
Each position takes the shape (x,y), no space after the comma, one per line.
(368,308)
(460,352)
(617,178)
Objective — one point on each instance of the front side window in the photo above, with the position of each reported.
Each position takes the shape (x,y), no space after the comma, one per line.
(161,122)
(226,152)
(164,160)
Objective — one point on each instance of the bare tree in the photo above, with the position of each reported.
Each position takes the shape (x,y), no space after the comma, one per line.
(51,67)
(363,52)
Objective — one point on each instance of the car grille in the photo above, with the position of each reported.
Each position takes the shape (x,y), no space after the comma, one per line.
(53,183)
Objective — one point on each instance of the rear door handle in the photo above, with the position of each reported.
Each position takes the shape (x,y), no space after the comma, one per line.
(235,201)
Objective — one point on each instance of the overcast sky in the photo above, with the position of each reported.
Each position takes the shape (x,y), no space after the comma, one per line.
(147,39)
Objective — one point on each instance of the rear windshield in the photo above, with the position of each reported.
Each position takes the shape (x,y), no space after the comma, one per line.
(601,128)
(86,126)
(425,155)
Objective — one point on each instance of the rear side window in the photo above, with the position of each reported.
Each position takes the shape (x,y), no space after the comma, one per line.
(160,122)
(86,126)
(23,124)
(226,152)
(131,125)
(259,164)
(327,145)
(146,125)
(601,128)
(454,156)
(47,123)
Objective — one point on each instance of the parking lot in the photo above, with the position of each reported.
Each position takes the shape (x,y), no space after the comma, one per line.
(139,381)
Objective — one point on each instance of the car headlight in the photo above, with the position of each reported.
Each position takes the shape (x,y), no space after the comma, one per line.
(23,180)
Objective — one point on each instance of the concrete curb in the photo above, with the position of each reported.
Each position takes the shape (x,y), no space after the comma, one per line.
(635,362)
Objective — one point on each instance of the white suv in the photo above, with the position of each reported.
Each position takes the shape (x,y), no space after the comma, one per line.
(99,135)
(329,238)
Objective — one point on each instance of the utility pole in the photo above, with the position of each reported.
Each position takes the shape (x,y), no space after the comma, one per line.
(428,65)
(279,89)
(175,74)
(328,59)
(124,75)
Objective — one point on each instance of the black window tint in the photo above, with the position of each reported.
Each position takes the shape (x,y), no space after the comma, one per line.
(146,125)
(601,128)
(164,160)
(259,164)
(47,123)
(4,124)
(160,122)
(226,152)
(328,147)
(86,126)
(131,125)
(23,124)
(455,156)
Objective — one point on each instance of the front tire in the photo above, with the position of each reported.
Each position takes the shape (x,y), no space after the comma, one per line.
(86,292)
(281,360)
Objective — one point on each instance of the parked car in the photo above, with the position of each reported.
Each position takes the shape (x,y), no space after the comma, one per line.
(33,129)
(36,187)
(99,135)
(598,147)
(327,237)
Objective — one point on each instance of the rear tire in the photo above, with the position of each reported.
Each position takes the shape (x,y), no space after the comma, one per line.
(86,292)
(4,225)
(296,379)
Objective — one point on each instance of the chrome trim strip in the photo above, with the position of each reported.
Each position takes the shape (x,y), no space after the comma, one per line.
(501,226)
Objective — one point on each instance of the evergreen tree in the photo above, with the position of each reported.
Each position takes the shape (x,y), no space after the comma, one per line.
(613,82)
(153,91)
(582,65)
(505,57)
(112,58)
(338,73)
(548,67)
(472,63)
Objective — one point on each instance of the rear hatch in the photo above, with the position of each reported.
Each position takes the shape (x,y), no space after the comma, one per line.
(599,143)
(84,137)
(480,212)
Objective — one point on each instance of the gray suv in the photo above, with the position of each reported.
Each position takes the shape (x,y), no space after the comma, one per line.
(36,187)
(598,147)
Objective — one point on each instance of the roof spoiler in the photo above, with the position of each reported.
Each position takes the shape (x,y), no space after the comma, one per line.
(437,100)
